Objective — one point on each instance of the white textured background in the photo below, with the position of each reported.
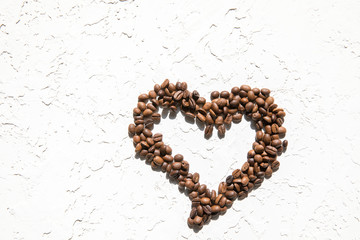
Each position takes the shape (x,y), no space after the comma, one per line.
(70,74)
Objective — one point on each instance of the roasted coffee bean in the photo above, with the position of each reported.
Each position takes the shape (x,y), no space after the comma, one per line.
(176,165)
(231,195)
(229,179)
(249,107)
(275,165)
(178,158)
(195,177)
(178,95)
(281,130)
(236,173)
(214,94)
(259,149)
(237,117)
(143,97)
(131,129)
(246,88)
(271,150)
(222,201)
(201,117)
(285,143)
(244,181)
(221,130)
(228,119)
(219,120)
(208,130)
(268,172)
(205,201)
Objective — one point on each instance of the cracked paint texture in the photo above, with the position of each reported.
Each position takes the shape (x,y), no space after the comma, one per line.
(70,74)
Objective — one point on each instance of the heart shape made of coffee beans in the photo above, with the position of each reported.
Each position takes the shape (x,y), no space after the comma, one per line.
(225,107)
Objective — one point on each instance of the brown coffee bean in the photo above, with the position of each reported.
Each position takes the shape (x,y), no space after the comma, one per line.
(281,130)
(258,158)
(244,181)
(221,130)
(158,160)
(131,129)
(246,88)
(228,119)
(229,179)
(285,143)
(178,95)
(196,177)
(139,128)
(178,158)
(199,211)
(275,165)
(198,220)
(193,212)
(215,107)
(237,117)
(165,83)
(259,149)
(231,195)
(222,201)
(208,130)
(249,107)
(259,135)
(201,117)
(176,165)
(236,173)
(268,172)
(276,143)
(214,94)
(265,92)
(219,120)
(205,201)
(222,188)
(271,150)
(143,97)
(202,189)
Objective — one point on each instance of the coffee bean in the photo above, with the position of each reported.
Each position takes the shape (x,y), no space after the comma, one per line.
(281,130)
(207,209)
(285,143)
(219,120)
(205,201)
(244,181)
(202,189)
(249,107)
(268,172)
(201,117)
(178,158)
(214,94)
(246,88)
(197,220)
(236,173)
(228,119)
(237,117)
(275,165)
(178,95)
(143,97)
(196,177)
(222,201)
(229,179)
(231,195)
(271,150)
(259,149)
(221,130)
(131,129)
(208,130)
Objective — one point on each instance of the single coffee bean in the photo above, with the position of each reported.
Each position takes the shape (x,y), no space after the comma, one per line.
(231,195)
(143,97)
(259,149)
(208,130)
(205,201)
(281,130)
(285,143)
(139,128)
(176,165)
(219,120)
(193,212)
(228,119)
(196,177)
(131,129)
(246,88)
(201,117)
(178,158)
(165,83)
(197,220)
(214,94)
(236,173)
(229,179)
(249,107)
(221,130)
(222,201)
(178,95)
(268,172)
(275,165)
(271,150)
(222,188)
(199,211)
(237,117)
(244,181)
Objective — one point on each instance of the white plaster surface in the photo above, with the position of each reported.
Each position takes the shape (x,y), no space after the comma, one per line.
(70,74)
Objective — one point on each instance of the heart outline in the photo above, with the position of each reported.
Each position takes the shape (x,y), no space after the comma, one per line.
(226,107)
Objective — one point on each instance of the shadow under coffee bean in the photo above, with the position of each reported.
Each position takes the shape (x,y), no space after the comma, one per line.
(225,107)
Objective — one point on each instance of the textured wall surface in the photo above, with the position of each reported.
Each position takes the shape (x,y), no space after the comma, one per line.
(70,74)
